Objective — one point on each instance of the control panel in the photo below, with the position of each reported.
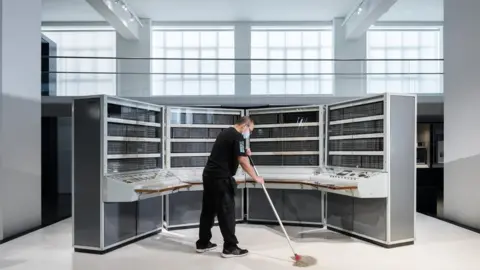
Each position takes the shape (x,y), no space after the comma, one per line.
(369,184)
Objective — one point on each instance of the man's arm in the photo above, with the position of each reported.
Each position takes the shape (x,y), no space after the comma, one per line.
(248,168)
(242,154)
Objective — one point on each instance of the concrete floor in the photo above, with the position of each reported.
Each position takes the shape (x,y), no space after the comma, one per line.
(439,246)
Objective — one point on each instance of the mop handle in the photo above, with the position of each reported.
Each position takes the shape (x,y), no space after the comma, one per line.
(273,208)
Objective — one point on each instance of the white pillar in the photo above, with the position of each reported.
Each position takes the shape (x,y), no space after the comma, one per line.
(135,85)
(461,106)
(351,85)
(20,116)
(242,51)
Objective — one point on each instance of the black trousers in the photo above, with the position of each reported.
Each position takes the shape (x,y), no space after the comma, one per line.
(218,200)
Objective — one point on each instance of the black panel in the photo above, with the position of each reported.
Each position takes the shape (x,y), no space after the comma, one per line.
(259,208)
(150,214)
(373,144)
(203,118)
(87,160)
(123,130)
(178,162)
(195,133)
(366,110)
(185,207)
(297,160)
(191,147)
(289,132)
(356,128)
(292,146)
(302,205)
(366,162)
(133,164)
(285,118)
(136,114)
(121,147)
(120,221)
(340,211)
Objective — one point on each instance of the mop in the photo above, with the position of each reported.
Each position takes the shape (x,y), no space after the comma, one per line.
(300,260)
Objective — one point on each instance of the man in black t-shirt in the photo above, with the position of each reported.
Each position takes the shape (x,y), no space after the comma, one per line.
(219,187)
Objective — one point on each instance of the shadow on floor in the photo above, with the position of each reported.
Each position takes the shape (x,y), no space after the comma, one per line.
(303,235)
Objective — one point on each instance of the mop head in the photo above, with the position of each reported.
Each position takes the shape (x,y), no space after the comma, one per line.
(304,261)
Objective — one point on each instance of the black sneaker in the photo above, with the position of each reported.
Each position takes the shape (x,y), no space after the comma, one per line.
(204,248)
(234,252)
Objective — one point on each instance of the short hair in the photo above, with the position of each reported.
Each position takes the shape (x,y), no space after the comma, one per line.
(244,120)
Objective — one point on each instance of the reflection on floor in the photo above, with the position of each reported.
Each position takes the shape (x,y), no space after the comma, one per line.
(440,246)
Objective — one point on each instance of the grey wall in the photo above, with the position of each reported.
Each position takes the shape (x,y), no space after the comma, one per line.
(20,118)
(462,96)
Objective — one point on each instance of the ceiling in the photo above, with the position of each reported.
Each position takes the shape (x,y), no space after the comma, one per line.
(243,10)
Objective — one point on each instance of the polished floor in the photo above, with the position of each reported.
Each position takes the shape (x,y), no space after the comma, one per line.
(439,246)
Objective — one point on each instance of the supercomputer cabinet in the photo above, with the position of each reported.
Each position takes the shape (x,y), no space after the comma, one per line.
(374,139)
(190,135)
(286,140)
(116,143)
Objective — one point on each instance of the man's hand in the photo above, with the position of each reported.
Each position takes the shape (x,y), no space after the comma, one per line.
(259,179)
(249,152)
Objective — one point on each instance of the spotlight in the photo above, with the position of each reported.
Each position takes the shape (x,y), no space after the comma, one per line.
(108,3)
(359,10)
(124,7)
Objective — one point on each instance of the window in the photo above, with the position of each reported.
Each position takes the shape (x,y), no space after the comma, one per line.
(193,77)
(407,76)
(87,43)
(296,76)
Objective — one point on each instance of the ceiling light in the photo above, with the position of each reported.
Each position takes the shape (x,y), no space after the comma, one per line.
(360,9)
(124,7)
(108,3)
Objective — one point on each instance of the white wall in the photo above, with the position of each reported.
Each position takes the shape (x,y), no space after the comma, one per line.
(462,97)
(20,116)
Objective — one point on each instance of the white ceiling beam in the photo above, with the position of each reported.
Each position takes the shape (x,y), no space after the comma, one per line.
(365,15)
(119,15)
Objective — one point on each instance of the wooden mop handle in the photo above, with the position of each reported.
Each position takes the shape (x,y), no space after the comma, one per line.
(273,208)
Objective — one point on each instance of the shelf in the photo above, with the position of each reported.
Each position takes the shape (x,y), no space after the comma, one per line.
(353,137)
(198,126)
(132,139)
(285,139)
(124,156)
(356,120)
(356,153)
(191,140)
(347,104)
(132,122)
(297,153)
(306,124)
(189,154)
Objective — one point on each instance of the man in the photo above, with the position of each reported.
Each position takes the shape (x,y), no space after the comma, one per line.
(229,150)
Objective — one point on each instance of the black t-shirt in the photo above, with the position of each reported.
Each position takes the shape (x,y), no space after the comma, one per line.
(223,160)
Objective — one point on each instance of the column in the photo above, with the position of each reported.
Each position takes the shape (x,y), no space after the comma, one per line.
(461,111)
(135,85)
(20,116)
(349,85)
(242,51)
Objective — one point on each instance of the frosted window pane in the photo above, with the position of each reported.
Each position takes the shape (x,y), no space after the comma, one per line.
(226,53)
(208,88)
(377,86)
(191,66)
(326,86)
(191,88)
(410,39)
(276,39)
(377,54)
(174,88)
(259,87)
(294,87)
(191,39)
(259,53)
(394,38)
(430,86)
(226,87)
(310,87)
(376,39)
(429,38)
(326,53)
(394,86)
(326,39)
(294,39)
(226,39)
(276,87)
(173,39)
(208,39)
(311,39)
(259,39)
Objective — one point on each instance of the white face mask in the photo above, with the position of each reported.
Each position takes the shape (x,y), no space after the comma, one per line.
(246,134)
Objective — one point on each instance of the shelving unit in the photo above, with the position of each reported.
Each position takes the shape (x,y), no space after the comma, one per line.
(190,135)
(117,143)
(289,137)
(356,134)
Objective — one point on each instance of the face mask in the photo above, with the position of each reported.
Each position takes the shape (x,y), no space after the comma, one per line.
(246,134)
